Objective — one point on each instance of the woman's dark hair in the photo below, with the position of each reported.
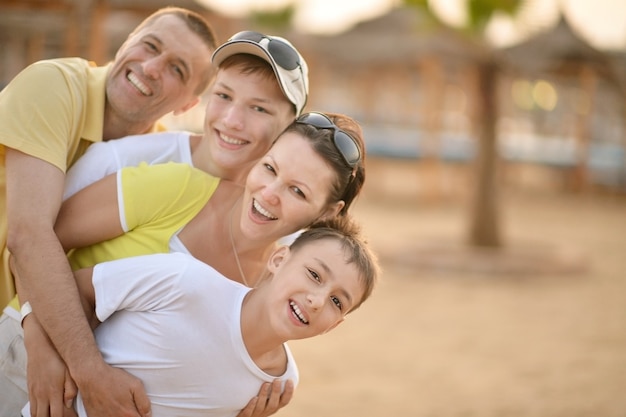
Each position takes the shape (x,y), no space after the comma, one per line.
(349,181)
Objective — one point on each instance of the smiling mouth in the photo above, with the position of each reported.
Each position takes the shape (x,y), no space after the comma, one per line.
(259,210)
(138,84)
(296,312)
(231,141)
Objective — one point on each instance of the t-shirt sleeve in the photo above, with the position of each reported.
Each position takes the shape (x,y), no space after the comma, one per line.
(162,192)
(139,283)
(98,162)
(36,111)
(104,158)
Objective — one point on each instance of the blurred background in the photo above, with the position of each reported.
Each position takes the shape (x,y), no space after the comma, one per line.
(495,194)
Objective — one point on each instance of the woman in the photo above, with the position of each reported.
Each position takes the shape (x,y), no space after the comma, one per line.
(313,171)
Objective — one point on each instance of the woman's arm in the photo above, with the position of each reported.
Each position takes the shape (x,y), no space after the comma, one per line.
(90,216)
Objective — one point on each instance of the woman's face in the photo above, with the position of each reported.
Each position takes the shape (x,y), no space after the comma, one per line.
(287,190)
(244,115)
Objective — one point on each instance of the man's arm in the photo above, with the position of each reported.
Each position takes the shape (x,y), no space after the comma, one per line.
(34,192)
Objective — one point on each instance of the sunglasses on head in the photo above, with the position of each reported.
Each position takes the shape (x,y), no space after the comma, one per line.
(283,53)
(345,144)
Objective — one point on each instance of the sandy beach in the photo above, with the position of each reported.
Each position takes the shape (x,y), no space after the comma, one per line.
(453,339)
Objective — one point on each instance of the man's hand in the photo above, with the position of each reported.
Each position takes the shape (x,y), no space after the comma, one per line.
(113,392)
(42,408)
(269,400)
(50,388)
(106,391)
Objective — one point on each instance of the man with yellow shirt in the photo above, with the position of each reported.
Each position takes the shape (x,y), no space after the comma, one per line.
(49,114)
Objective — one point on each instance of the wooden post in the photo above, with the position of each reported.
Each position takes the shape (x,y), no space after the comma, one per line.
(98,37)
(588,81)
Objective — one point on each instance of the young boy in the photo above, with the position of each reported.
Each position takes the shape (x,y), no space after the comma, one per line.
(203,344)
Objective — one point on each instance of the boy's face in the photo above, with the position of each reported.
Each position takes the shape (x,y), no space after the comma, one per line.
(245,113)
(312,289)
(157,70)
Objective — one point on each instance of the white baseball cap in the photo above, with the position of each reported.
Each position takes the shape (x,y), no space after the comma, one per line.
(289,66)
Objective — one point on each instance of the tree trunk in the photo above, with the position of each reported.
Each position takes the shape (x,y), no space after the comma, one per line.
(484,221)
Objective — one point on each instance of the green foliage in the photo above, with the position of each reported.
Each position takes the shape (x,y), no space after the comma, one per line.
(423,4)
(480,11)
(278,19)
(430,19)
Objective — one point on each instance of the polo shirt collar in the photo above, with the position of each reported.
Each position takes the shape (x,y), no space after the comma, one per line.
(96,99)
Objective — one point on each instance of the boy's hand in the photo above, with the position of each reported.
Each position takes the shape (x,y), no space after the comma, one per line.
(269,400)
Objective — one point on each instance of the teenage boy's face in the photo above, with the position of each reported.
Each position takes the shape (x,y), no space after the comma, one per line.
(157,71)
(245,113)
(313,289)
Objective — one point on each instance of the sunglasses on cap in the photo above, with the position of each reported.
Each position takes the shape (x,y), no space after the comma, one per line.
(345,144)
(282,53)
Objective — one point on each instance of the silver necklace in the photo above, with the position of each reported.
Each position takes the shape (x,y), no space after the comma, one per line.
(232,244)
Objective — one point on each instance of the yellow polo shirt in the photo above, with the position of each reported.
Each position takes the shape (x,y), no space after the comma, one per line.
(52,110)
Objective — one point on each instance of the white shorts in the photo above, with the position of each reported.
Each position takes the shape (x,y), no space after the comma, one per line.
(13,387)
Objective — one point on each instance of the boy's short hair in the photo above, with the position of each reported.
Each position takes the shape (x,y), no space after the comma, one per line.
(290,68)
(249,64)
(348,232)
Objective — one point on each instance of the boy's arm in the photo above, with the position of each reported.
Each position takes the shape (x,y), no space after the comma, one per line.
(87,295)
